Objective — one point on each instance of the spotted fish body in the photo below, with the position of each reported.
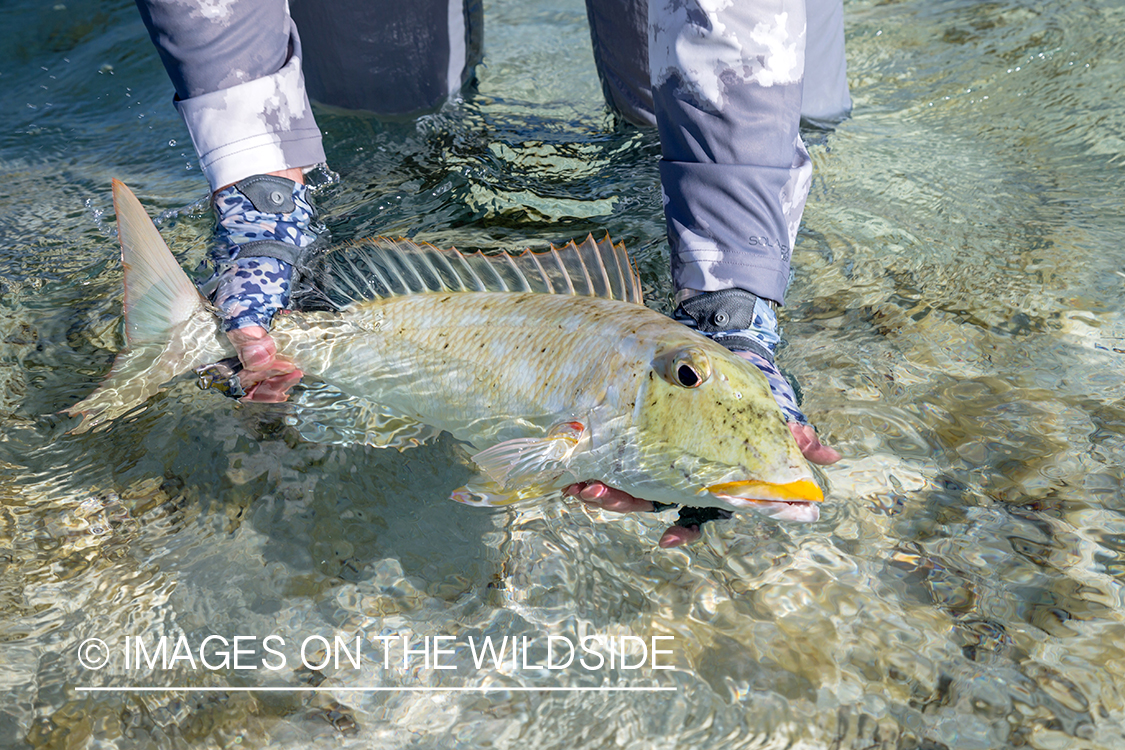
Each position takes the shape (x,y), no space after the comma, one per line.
(544,363)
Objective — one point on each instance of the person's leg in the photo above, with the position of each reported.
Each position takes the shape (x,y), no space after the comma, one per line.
(238,76)
(724,87)
(236,68)
(826,100)
(387,56)
(619,32)
(727,92)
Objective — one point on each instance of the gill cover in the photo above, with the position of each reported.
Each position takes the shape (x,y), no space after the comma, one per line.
(711,418)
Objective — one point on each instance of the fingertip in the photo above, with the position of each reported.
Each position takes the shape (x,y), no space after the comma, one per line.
(263,394)
(825,456)
(598,495)
(573,490)
(676,536)
(274,390)
(811,448)
(593,492)
(255,356)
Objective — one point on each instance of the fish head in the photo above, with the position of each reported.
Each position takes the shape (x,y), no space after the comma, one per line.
(708,424)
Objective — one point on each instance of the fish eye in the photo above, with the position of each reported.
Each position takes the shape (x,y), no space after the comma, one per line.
(687,376)
(689,368)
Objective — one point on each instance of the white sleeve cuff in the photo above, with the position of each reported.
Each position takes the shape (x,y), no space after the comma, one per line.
(260,126)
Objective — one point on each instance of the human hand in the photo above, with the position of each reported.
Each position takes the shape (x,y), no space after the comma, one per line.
(598,495)
(754,338)
(804,433)
(687,528)
(265,227)
(265,377)
(810,445)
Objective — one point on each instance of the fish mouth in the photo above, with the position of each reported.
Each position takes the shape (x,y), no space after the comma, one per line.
(753,490)
(792,501)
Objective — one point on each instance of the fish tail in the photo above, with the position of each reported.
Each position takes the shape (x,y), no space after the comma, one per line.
(169,327)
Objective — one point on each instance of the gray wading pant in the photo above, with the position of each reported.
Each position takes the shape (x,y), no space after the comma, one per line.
(722,80)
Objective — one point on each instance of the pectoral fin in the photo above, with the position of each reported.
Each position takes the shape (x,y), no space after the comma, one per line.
(526,461)
(482,492)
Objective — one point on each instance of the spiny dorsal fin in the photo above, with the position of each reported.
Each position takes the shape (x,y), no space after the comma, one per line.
(382,267)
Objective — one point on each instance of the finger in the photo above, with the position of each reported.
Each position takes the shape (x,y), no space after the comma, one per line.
(811,446)
(250,378)
(676,536)
(254,345)
(273,390)
(598,495)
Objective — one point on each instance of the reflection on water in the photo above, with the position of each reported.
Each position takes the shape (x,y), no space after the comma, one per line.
(955,323)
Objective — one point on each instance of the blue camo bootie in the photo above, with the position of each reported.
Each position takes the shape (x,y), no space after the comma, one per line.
(746,324)
(265,228)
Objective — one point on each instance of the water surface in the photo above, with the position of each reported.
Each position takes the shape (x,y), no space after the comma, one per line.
(955,323)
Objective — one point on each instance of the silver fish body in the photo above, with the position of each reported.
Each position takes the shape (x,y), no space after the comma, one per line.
(548,388)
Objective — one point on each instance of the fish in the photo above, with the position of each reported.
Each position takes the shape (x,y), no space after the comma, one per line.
(547,365)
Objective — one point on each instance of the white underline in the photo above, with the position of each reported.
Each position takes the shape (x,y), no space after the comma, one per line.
(136,689)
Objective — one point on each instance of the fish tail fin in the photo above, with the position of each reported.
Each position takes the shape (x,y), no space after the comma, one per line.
(169,327)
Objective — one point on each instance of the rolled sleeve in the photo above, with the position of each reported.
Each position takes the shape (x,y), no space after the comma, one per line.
(259,126)
(726,84)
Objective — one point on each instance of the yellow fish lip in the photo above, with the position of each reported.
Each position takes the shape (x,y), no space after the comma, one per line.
(751,490)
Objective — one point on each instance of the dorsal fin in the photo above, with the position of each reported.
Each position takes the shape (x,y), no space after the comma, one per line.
(381,267)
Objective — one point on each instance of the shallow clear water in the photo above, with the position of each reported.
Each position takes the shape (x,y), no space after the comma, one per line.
(955,323)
